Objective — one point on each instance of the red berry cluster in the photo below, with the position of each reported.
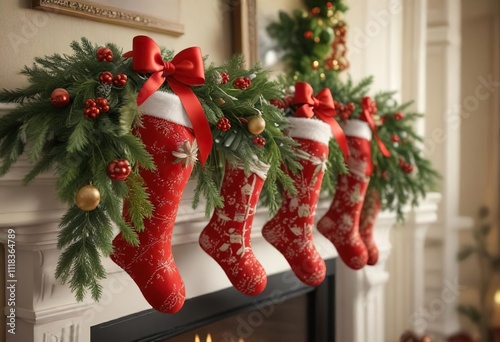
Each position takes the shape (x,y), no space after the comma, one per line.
(395,138)
(94,108)
(399,116)
(224,124)
(259,141)
(119,169)
(289,101)
(104,54)
(277,103)
(315,10)
(308,34)
(344,110)
(224,77)
(242,82)
(106,77)
(120,80)
(329,4)
(406,167)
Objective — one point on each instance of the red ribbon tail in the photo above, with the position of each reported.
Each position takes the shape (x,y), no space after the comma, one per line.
(196,114)
(152,84)
(383,149)
(339,135)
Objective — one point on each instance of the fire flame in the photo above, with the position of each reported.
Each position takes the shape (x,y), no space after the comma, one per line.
(209,338)
(497,297)
(197,338)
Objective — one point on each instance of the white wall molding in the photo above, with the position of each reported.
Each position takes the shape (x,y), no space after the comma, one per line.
(442,146)
(360,304)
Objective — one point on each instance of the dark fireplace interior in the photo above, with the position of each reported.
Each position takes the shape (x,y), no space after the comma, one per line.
(286,311)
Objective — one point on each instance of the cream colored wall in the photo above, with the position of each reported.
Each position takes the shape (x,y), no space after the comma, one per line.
(480,151)
(27,33)
(480,148)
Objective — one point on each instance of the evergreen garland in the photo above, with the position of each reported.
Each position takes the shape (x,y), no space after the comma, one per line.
(224,99)
(395,183)
(306,36)
(405,176)
(78,149)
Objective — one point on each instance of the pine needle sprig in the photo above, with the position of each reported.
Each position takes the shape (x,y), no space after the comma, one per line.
(78,149)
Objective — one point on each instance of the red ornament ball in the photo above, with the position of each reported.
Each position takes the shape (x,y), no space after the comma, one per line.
(104,54)
(308,34)
(329,4)
(106,77)
(224,77)
(119,169)
(259,141)
(59,97)
(315,10)
(408,168)
(120,80)
(242,82)
(398,116)
(395,138)
(224,124)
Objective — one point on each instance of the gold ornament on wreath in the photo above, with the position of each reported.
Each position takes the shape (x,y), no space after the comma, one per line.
(88,198)
(256,124)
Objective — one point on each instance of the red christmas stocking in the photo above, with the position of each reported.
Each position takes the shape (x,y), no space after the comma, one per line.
(290,230)
(226,238)
(371,208)
(168,138)
(340,224)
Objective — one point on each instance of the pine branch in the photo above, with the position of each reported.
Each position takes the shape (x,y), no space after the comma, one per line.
(139,206)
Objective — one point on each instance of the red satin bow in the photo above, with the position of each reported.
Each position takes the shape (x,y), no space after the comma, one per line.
(184,71)
(369,109)
(323,107)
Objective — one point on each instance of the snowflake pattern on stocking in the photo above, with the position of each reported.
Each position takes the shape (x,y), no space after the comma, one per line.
(227,236)
(369,213)
(151,264)
(341,222)
(290,230)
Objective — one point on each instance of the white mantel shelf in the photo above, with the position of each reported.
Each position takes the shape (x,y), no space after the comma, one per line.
(47,311)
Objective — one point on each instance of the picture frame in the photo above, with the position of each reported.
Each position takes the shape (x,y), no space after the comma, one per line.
(244,23)
(159,16)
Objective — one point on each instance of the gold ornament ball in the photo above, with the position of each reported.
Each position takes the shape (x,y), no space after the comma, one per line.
(256,125)
(88,198)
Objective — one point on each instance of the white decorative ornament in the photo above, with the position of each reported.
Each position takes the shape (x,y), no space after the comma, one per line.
(186,153)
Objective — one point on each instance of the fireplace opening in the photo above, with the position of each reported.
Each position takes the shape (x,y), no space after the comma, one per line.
(286,311)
